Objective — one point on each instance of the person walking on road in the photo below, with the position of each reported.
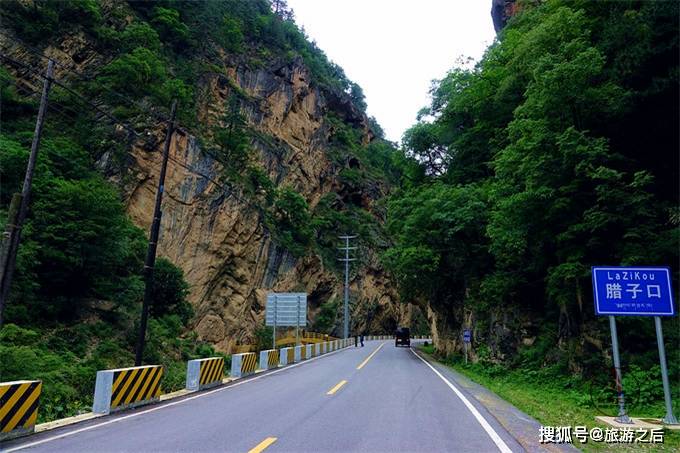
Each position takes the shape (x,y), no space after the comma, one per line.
(361,339)
(356,340)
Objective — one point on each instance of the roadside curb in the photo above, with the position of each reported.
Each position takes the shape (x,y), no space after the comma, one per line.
(520,426)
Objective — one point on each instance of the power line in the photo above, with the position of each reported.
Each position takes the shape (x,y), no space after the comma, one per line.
(76,94)
(71,68)
(227,189)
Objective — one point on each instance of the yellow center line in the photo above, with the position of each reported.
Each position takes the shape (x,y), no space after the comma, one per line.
(337,387)
(262,445)
(370,356)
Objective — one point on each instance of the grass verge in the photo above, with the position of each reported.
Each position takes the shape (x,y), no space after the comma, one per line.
(553,401)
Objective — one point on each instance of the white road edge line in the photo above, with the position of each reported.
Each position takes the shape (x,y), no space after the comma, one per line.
(153,409)
(502,446)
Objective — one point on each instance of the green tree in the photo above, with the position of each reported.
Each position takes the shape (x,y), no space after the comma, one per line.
(290,222)
(170,292)
(135,72)
(169,25)
(232,139)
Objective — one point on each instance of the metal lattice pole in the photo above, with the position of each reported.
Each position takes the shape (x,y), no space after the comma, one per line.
(346,260)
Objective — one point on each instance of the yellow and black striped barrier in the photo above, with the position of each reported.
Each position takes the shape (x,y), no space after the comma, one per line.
(19,401)
(286,356)
(126,387)
(269,359)
(243,364)
(204,373)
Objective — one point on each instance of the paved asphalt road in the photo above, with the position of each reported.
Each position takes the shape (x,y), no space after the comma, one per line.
(395,402)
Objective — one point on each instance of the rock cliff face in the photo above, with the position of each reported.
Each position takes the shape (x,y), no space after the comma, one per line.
(219,239)
(501,11)
(213,233)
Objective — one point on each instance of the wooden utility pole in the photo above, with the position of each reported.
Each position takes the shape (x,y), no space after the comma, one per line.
(153,241)
(19,206)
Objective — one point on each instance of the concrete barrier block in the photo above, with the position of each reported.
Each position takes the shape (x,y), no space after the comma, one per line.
(204,373)
(286,356)
(243,364)
(19,403)
(123,388)
(269,359)
(309,351)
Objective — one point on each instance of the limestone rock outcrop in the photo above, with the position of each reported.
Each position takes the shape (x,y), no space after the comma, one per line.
(219,239)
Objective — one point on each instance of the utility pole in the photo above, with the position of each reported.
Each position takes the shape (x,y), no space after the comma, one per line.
(153,240)
(346,260)
(19,206)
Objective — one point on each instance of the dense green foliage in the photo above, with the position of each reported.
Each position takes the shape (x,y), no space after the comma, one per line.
(78,285)
(556,152)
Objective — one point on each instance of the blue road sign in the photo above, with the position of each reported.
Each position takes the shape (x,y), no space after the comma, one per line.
(467,335)
(633,291)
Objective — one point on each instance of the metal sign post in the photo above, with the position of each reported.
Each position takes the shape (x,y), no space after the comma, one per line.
(669,419)
(622,417)
(635,291)
(274,336)
(297,323)
(466,340)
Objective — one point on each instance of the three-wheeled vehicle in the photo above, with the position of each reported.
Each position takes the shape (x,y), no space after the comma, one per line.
(402,337)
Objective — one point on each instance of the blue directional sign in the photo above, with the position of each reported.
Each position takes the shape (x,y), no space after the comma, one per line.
(633,291)
(467,336)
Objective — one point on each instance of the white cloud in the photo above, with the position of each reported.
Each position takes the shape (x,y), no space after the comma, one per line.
(394,48)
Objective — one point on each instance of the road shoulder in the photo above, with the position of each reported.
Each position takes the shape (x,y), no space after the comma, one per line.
(519,425)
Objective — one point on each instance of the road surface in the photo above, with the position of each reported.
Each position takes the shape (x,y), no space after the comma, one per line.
(373,399)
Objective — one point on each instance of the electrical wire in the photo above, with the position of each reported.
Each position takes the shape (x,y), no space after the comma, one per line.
(62,110)
(88,79)
(81,98)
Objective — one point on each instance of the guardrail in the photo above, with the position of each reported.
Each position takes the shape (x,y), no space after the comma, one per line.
(243,364)
(121,388)
(126,387)
(286,356)
(269,359)
(19,403)
(204,373)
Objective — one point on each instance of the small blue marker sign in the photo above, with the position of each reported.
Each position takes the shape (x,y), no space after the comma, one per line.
(633,291)
(467,336)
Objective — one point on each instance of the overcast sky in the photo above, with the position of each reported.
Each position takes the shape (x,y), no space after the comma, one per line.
(394,48)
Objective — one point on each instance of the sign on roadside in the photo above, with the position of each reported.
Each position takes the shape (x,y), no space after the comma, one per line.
(290,309)
(633,291)
(467,336)
(286,310)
